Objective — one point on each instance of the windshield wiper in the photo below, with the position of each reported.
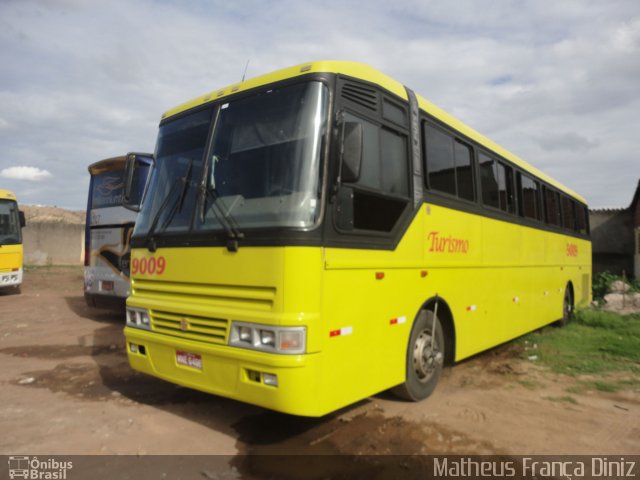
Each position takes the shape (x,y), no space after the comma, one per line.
(224,217)
(177,206)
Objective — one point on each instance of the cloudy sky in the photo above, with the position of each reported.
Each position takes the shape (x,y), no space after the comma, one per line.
(555,81)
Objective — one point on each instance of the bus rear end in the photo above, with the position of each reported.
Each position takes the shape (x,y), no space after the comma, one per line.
(11,253)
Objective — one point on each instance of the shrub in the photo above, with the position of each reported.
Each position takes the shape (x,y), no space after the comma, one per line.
(602,283)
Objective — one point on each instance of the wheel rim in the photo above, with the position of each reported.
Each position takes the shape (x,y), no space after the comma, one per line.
(426,356)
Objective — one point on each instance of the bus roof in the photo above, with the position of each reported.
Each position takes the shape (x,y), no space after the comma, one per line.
(108,165)
(7,194)
(369,74)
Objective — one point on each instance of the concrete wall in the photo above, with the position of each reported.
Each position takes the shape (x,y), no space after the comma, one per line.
(53,244)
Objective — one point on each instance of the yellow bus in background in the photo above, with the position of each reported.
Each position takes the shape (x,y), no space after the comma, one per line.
(11,253)
(319,234)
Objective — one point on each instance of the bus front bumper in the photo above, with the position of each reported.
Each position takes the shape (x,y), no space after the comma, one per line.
(230,372)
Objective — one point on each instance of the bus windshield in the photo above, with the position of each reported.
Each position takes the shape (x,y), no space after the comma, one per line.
(10,233)
(107,189)
(262,169)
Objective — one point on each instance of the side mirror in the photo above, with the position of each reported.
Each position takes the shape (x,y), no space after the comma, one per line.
(23,221)
(129,170)
(352,141)
(136,174)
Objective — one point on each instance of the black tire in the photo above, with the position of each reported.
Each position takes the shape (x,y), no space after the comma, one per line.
(425,359)
(567,308)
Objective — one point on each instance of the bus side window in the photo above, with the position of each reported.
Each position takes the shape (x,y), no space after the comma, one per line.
(464,172)
(489,181)
(552,207)
(381,193)
(528,193)
(440,160)
(507,199)
(582,225)
(449,165)
(568,213)
(497,184)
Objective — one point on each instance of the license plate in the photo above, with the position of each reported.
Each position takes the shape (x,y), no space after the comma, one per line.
(106,286)
(189,359)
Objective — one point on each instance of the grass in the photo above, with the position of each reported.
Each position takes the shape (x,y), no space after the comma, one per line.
(611,386)
(605,386)
(48,267)
(595,342)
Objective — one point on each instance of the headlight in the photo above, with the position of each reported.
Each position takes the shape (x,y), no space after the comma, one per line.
(268,337)
(290,340)
(245,334)
(139,318)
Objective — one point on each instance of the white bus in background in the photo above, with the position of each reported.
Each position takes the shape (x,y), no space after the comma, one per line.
(109,225)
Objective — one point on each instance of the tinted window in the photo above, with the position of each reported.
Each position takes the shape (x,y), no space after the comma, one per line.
(370,172)
(449,165)
(140,176)
(552,206)
(568,213)
(497,184)
(384,159)
(180,148)
(440,161)
(393,112)
(464,174)
(505,187)
(528,195)
(385,170)
(582,218)
(393,148)
(489,181)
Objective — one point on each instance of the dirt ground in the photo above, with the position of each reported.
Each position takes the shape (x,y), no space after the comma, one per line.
(66,389)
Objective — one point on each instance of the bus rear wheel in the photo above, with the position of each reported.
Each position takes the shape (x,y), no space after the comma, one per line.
(567,307)
(425,358)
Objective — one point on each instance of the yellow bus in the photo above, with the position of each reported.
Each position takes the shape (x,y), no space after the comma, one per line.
(320,234)
(11,254)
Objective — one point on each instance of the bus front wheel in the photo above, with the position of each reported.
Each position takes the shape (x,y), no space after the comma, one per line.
(425,358)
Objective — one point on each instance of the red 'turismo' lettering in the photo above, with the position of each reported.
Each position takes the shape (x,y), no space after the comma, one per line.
(447,244)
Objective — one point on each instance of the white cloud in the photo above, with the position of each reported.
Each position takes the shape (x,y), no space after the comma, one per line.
(29,174)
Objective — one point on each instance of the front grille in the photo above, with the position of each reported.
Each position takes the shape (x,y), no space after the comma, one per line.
(200,311)
(204,329)
(227,296)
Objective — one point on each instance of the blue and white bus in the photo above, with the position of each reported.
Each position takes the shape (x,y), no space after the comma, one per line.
(109,225)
